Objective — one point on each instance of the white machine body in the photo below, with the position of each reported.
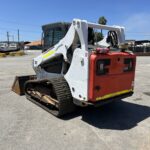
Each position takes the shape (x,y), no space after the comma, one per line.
(77,75)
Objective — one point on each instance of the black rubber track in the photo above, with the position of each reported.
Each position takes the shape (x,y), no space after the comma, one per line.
(62,92)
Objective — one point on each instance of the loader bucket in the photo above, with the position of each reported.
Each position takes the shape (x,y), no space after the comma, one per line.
(18,85)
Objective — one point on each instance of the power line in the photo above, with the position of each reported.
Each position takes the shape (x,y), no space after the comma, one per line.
(14,22)
(142,33)
(23,34)
(22,30)
(139,34)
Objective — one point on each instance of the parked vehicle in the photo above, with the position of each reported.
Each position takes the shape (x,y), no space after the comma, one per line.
(9,47)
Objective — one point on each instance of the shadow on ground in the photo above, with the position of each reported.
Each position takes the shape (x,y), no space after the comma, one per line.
(118,115)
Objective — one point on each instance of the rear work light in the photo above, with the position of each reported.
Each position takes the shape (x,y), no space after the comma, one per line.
(102,66)
(129,64)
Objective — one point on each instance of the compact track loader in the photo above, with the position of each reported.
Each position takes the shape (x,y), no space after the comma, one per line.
(81,71)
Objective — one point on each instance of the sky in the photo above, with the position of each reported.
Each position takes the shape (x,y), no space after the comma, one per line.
(29,15)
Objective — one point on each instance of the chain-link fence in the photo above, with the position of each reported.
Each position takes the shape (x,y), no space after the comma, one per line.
(144,49)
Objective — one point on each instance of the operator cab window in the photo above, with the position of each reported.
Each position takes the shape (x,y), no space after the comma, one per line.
(53,36)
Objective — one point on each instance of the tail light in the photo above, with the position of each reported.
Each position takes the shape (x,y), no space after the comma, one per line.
(102,50)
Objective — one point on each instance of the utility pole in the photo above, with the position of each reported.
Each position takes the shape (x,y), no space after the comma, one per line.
(18,36)
(13,38)
(18,39)
(8,38)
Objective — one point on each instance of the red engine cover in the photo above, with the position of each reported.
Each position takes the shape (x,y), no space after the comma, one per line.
(110,74)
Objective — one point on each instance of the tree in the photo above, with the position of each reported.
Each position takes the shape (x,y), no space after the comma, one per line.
(99,35)
(102,20)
